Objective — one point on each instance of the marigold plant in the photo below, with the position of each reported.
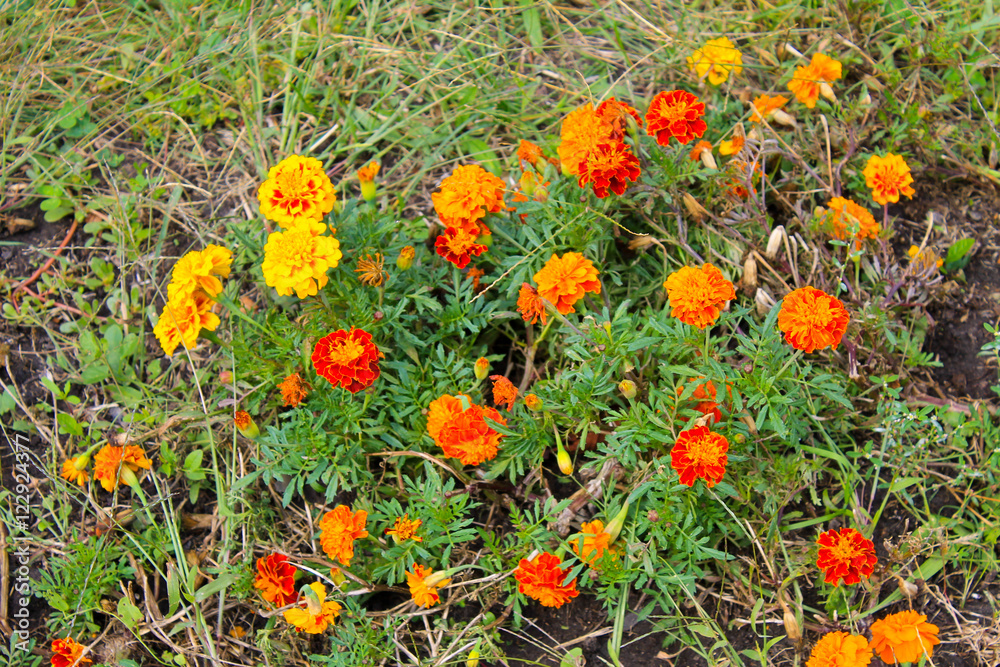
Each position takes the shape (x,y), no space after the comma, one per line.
(697,296)
(705,396)
(699,453)
(564,280)
(459,427)
(183,319)
(903,637)
(297,260)
(504,392)
(424,584)
(812,320)
(297,191)
(275,580)
(530,305)
(348,359)
(716,60)
(888,177)
(315,613)
(807,82)
(467,195)
(542,579)
(67,653)
(581,131)
(845,554)
(675,114)
(404,529)
(848,219)
(366,176)
(840,649)
(114,465)
(593,542)
(339,528)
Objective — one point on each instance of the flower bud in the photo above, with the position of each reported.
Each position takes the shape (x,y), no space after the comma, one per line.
(564,461)
(405,259)
(708,160)
(627,388)
(908,589)
(774,242)
(792,628)
(696,210)
(532,402)
(783,118)
(245,423)
(615,527)
(473,660)
(485,239)
(82,461)
(750,273)
(826,91)
(763,301)
(482,368)
(367,177)
(225,377)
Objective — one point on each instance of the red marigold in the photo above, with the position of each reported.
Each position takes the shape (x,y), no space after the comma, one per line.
(541,578)
(347,358)
(676,114)
(276,580)
(66,653)
(839,649)
(888,177)
(697,296)
(504,391)
(581,130)
(812,319)
(340,527)
(458,245)
(609,166)
(459,428)
(705,394)
(846,218)
(531,306)
(467,195)
(564,280)
(111,462)
(293,389)
(904,637)
(616,114)
(845,555)
(699,453)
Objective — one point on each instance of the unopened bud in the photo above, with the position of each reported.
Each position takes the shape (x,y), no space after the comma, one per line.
(909,590)
(482,368)
(532,402)
(564,461)
(826,91)
(750,273)
(245,423)
(627,388)
(751,424)
(541,193)
(792,628)
(225,377)
(473,659)
(696,210)
(82,461)
(485,239)
(708,160)
(763,301)
(615,527)
(783,118)
(865,99)
(774,242)
(405,259)
(440,578)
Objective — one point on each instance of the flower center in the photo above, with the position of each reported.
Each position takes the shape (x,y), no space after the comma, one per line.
(460,242)
(844,551)
(703,451)
(293,183)
(345,351)
(297,247)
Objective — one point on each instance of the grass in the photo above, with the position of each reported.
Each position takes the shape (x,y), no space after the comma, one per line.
(150,126)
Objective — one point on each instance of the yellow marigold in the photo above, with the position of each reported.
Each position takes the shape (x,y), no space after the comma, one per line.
(183,319)
(764,106)
(296,191)
(72,474)
(716,60)
(504,391)
(807,81)
(424,584)
(732,146)
(340,527)
(530,305)
(297,261)
(404,529)
(467,195)
(111,463)
(200,269)
(839,649)
(697,296)
(904,637)
(293,389)
(564,280)
(847,219)
(581,131)
(888,177)
(924,261)
(314,615)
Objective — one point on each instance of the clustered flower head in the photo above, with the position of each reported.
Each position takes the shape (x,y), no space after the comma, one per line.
(504,392)
(564,280)
(888,177)
(315,613)
(67,653)
(716,61)
(593,542)
(697,296)
(847,555)
(903,637)
(114,465)
(74,470)
(297,260)
(530,305)
(675,114)
(424,584)
(459,427)
(592,146)
(297,192)
(339,528)
(465,197)
(542,579)
(276,580)
(347,358)
(194,284)
(848,219)
(814,79)
(840,649)
(699,453)
(812,319)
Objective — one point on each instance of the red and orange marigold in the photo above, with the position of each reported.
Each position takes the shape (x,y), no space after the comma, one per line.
(347,358)
(340,527)
(276,580)
(812,320)
(542,579)
(808,81)
(467,195)
(609,166)
(459,427)
(616,114)
(564,280)
(675,114)
(697,296)
(700,453)
(581,131)
(458,245)
(845,554)
(504,392)
(293,389)
(904,637)
(67,653)
(888,177)
(530,305)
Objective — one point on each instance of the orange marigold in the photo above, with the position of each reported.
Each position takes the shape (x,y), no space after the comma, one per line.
(467,195)
(581,131)
(542,579)
(458,245)
(704,394)
(475,274)
(593,543)
(564,280)
(531,306)
(764,106)
(528,152)
(459,427)
(340,527)
(807,81)
(296,191)
(315,614)
(888,177)
(903,637)
(424,584)
(72,474)
(366,175)
(404,529)
(111,463)
(276,580)
(609,166)
(732,146)
(839,649)
(504,391)
(616,114)
(294,389)
(697,296)
(675,114)
(442,411)
(847,219)
(532,402)
(347,358)
(67,653)
(700,148)
(812,319)
(845,555)
(699,453)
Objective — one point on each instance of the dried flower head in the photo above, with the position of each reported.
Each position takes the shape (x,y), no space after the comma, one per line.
(339,528)
(764,106)
(530,305)
(347,358)
(296,191)
(904,637)
(888,177)
(716,61)
(924,261)
(315,613)
(581,131)
(617,115)
(404,529)
(807,81)
(467,195)
(675,114)
(847,219)
(424,584)
(609,166)
(276,580)
(458,245)
(812,319)
(475,274)
(459,427)
(564,280)
(370,268)
(200,270)
(297,260)
(183,319)
(845,554)
(840,649)
(504,391)
(111,464)
(700,453)
(67,653)
(542,579)
(73,474)
(294,389)
(697,296)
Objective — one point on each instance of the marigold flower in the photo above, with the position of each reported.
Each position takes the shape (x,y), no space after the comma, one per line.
(347,358)
(200,269)
(294,390)
(532,402)
(67,653)
(840,649)
(504,391)
(699,148)
(581,131)
(339,528)
(806,81)
(705,394)
(888,177)
(424,584)
(616,114)
(442,411)
(700,453)
(676,114)
(245,424)
(314,616)
(531,306)
(371,270)
(366,175)
(627,388)
(405,259)
(904,637)
(458,245)
(111,463)
(812,319)
(593,543)
(481,368)
(296,191)
(467,195)
(72,474)
(297,260)
(183,319)
(732,146)
(528,152)
(846,218)
(459,428)
(764,107)
(845,555)
(609,166)
(564,280)
(276,580)
(697,296)
(541,579)
(404,529)
(716,60)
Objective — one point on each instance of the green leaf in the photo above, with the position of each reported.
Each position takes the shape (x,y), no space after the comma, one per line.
(217,586)
(173,590)
(68,424)
(573,658)
(129,613)
(957,254)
